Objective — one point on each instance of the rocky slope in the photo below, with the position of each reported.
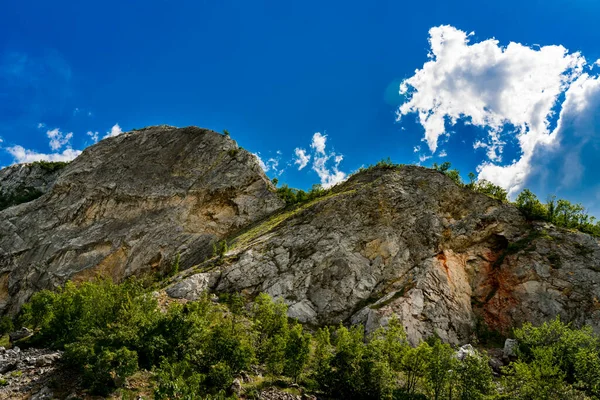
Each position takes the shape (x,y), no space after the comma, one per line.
(409,242)
(403,241)
(130,204)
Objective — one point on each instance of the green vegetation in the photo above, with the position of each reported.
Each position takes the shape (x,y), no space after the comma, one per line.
(559,212)
(197,349)
(297,196)
(51,166)
(555,361)
(225,132)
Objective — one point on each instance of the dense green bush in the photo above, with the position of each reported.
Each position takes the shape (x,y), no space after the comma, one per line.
(110,331)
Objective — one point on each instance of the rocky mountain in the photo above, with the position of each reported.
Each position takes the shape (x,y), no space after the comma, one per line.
(130,204)
(402,240)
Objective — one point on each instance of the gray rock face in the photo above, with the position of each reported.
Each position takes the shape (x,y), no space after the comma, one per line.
(25,182)
(129,204)
(191,288)
(510,348)
(35,176)
(409,242)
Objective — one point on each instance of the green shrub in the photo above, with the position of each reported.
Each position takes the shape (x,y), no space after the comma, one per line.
(6,325)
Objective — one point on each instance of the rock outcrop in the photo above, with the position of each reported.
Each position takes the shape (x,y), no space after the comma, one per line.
(25,182)
(130,204)
(404,241)
(409,242)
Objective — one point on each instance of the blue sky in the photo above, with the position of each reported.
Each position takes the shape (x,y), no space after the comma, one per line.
(522,112)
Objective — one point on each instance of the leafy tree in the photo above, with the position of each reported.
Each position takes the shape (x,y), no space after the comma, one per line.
(440,364)
(539,379)
(491,190)
(474,379)
(297,351)
(414,366)
(529,205)
(270,320)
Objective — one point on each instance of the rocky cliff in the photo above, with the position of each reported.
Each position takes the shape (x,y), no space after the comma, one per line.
(403,241)
(130,204)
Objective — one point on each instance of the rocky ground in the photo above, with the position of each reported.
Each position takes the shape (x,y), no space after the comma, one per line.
(28,373)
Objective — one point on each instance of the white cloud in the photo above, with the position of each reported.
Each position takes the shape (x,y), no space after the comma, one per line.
(114,131)
(58,139)
(318,142)
(261,162)
(508,90)
(416,149)
(272,163)
(41,125)
(329,175)
(302,159)
(93,135)
(22,155)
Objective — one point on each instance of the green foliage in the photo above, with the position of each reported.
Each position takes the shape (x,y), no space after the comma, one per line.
(559,212)
(473,378)
(225,132)
(233,152)
(220,248)
(491,190)
(439,370)
(195,350)
(297,352)
(296,196)
(51,166)
(6,325)
(555,361)
(453,174)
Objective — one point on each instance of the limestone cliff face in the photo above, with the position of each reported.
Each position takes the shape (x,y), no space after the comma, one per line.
(402,241)
(411,243)
(129,204)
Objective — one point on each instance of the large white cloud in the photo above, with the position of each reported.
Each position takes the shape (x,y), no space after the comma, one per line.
(114,131)
(508,90)
(23,155)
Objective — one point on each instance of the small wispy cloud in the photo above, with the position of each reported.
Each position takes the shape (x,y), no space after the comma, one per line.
(93,135)
(302,159)
(328,174)
(58,139)
(272,163)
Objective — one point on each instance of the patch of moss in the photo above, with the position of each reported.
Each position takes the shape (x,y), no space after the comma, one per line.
(5,341)
(263,227)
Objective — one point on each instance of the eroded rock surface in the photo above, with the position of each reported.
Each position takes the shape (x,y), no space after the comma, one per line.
(130,204)
(409,242)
